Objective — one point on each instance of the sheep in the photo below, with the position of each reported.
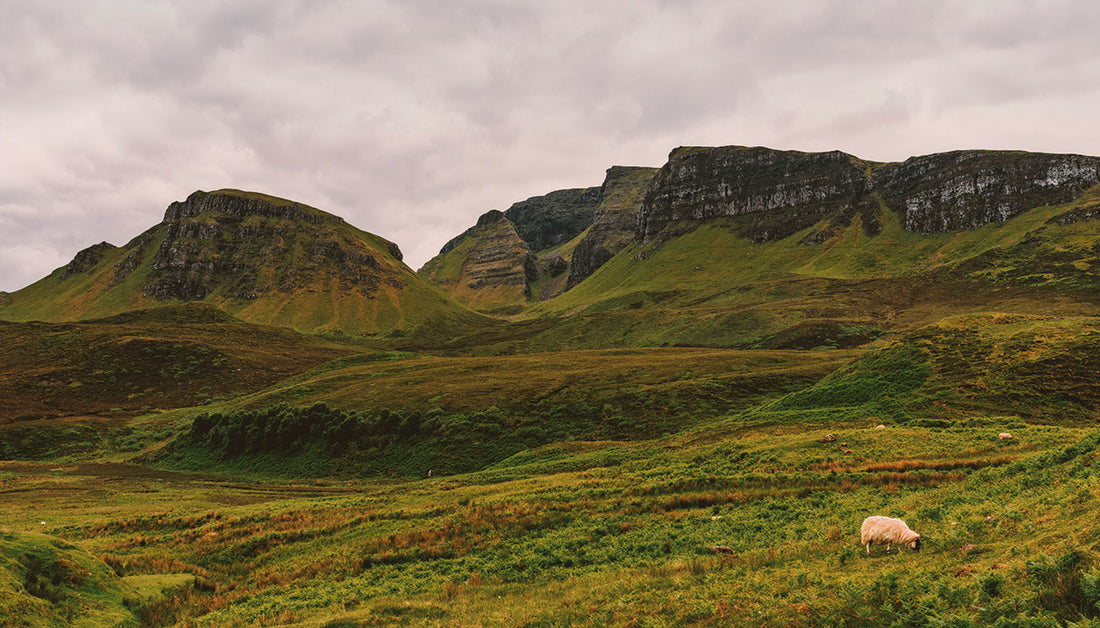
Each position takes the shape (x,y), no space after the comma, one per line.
(878,529)
(1004,436)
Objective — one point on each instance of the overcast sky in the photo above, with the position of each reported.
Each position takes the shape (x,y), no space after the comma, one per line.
(411,118)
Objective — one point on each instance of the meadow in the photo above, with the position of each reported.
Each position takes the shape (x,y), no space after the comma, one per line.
(593,533)
(691,437)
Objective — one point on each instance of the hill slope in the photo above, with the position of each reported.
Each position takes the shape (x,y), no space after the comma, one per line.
(539,247)
(753,247)
(260,258)
(163,358)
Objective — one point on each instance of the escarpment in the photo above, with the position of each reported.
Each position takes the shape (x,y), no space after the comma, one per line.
(259,258)
(782,191)
(612,227)
(241,244)
(774,194)
(967,189)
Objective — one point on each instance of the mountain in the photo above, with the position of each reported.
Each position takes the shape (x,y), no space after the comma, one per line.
(753,247)
(261,258)
(782,192)
(539,247)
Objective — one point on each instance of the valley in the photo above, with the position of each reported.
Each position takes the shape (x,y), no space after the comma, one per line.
(666,401)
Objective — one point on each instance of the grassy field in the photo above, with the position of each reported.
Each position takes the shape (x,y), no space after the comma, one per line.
(592,533)
(690,438)
(579,488)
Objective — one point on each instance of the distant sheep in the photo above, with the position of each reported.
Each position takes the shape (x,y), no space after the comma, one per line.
(888,531)
(1004,436)
(880,426)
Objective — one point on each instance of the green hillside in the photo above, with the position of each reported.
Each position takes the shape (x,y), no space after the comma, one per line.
(260,258)
(255,414)
(711,286)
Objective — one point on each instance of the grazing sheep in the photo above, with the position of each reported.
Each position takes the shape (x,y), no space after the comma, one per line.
(888,531)
(1004,436)
(880,426)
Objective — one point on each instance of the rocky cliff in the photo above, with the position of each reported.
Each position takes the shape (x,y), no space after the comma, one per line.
(261,258)
(488,267)
(775,194)
(612,227)
(967,189)
(246,245)
(507,257)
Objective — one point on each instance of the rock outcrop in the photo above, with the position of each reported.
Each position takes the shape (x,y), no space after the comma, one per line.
(239,244)
(555,218)
(479,266)
(775,194)
(259,258)
(612,227)
(781,191)
(489,267)
(88,258)
(495,265)
(967,189)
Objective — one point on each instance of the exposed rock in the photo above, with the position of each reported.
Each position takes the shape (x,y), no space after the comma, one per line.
(136,251)
(238,204)
(967,189)
(242,246)
(781,192)
(612,227)
(555,218)
(88,259)
(489,267)
(775,194)
(493,265)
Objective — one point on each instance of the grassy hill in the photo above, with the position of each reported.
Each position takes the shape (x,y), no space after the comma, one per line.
(260,258)
(688,437)
(710,286)
(153,359)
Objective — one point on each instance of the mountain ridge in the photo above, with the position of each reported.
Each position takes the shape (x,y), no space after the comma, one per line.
(261,258)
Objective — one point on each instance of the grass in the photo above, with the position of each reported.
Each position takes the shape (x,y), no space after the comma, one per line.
(586,460)
(611,542)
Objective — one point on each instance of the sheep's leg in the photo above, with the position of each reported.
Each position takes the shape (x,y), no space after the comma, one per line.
(868,548)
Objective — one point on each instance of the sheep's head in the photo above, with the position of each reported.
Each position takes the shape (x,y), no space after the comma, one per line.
(915,544)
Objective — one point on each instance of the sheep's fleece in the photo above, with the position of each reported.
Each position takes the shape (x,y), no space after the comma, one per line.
(887,531)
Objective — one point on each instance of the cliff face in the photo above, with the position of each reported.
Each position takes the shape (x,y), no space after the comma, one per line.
(498,264)
(967,189)
(260,258)
(487,267)
(783,191)
(555,218)
(244,246)
(612,227)
(778,193)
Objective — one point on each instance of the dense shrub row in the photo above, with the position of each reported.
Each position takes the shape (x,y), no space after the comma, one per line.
(319,439)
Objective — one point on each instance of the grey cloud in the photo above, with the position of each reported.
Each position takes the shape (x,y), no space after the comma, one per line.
(412,118)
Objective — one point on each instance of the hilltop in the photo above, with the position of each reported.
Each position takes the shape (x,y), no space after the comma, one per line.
(260,258)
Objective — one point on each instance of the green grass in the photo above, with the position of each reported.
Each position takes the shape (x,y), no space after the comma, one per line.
(625,533)
(585,460)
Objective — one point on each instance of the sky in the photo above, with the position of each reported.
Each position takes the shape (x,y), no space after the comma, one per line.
(411,118)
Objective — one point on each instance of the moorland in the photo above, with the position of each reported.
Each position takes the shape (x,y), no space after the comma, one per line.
(256,414)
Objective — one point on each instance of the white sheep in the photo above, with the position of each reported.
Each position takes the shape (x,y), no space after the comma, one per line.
(1004,436)
(888,531)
